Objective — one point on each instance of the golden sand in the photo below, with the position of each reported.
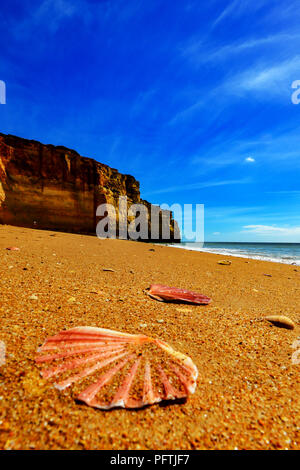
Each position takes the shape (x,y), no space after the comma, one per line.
(248,393)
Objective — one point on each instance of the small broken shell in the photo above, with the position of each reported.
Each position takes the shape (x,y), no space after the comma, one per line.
(111,369)
(2,353)
(281,321)
(13,248)
(174,294)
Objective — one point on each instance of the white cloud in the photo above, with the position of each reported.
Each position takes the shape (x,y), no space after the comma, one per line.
(278,146)
(272,229)
(250,159)
(216,233)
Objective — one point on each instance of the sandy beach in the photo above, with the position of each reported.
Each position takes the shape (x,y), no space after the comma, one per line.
(248,389)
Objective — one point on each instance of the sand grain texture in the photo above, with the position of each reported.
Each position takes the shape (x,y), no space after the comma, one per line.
(248,387)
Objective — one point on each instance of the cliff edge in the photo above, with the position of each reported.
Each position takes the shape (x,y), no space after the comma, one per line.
(53,187)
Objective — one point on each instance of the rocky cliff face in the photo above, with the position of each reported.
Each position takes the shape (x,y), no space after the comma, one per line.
(51,187)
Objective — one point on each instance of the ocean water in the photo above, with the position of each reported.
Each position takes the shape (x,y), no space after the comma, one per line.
(288,253)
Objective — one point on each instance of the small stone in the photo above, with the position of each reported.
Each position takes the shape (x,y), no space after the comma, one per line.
(71,300)
(184,310)
(268,275)
(33,297)
(281,321)
(226,262)
(109,270)
(160,321)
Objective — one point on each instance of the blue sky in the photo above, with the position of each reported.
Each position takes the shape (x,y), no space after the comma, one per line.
(192,98)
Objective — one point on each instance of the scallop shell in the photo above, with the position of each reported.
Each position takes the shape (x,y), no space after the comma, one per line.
(174,294)
(111,369)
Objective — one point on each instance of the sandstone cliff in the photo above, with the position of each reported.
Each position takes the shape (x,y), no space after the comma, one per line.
(53,187)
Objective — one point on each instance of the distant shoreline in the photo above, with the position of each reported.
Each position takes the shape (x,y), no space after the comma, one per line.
(237,252)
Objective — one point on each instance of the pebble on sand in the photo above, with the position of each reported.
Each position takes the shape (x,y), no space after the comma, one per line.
(226,262)
(281,321)
(33,297)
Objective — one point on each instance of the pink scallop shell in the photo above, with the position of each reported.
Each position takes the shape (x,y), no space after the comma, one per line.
(111,369)
(174,294)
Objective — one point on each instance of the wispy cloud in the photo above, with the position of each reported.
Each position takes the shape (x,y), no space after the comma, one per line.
(212,162)
(237,8)
(232,213)
(264,82)
(200,51)
(48,16)
(288,192)
(51,13)
(274,79)
(278,151)
(272,229)
(232,7)
(192,186)
(263,215)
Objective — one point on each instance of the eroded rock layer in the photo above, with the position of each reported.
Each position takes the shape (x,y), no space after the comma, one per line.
(53,187)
